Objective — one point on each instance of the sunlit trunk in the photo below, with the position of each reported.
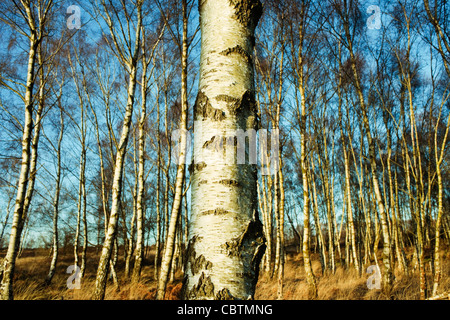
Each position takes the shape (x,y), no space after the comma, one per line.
(226,239)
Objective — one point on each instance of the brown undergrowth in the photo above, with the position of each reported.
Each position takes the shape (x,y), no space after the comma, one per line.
(344,284)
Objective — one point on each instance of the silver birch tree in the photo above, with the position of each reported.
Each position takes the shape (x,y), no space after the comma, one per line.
(129,60)
(226,236)
(36,19)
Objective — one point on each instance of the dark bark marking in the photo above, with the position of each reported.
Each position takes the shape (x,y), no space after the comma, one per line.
(200,263)
(245,108)
(255,263)
(247,102)
(218,211)
(209,142)
(230,182)
(226,98)
(201,3)
(204,110)
(196,264)
(203,289)
(224,294)
(196,167)
(251,237)
(250,248)
(247,12)
(240,51)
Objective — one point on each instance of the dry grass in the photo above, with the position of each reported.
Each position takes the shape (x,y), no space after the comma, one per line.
(32,268)
(345,284)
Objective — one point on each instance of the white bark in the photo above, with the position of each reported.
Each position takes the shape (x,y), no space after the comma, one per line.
(227,242)
(141,179)
(52,270)
(100,283)
(9,261)
(181,168)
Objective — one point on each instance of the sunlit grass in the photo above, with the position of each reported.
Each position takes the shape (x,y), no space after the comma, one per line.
(344,284)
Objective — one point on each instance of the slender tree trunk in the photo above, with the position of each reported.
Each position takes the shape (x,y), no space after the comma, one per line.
(81,205)
(319,233)
(141,178)
(52,270)
(85,230)
(18,216)
(158,205)
(130,249)
(310,277)
(323,163)
(348,196)
(281,218)
(267,220)
(439,158)
(387,270)
(302,113)
(100,283)
(181,168)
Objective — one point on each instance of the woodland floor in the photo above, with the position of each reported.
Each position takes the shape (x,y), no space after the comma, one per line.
(33,264)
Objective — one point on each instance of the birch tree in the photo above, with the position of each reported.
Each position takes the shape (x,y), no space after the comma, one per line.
(36,20)
(147,57)
(348,13)
(181,165)
(56,198)
(128,54)
(226,239)
(302,112)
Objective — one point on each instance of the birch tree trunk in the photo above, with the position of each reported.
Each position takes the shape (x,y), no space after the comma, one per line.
(302,114)
(37,131)
(141,173)
(18,216)
(102,271)
(181,168)
(439,158)
(52,270)
(81,202)
(348,196)
(158,205)
(281,218)
(310,277)
(130,247)
(319,233)
(387,270)
(227,241)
